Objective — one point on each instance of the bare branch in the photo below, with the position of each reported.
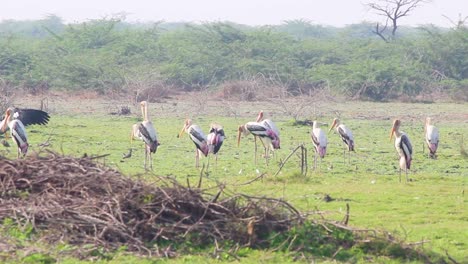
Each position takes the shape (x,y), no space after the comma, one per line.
(393,10)
(379,31)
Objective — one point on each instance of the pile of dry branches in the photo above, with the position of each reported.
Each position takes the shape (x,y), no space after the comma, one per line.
(79,201)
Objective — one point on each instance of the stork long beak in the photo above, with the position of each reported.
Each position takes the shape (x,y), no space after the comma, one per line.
(7,119)
(332,126)
(392,132)
(240,129)
(260,116)
(428,122)
(181,133)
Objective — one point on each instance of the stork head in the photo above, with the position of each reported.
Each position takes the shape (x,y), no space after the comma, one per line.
(428,121)
(395,127)
(315,124)
(187,124)
(276,143)
(260,116)
(144,111)
(336,122)
(7,119)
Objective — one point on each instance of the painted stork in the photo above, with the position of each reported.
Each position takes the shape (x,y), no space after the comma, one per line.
(275,139)
(267,136)
(403,147)
(319,139)
(198,138)
(18,132)
(147,133)
(432,137)
(215,139)
(26,116)
(345,134)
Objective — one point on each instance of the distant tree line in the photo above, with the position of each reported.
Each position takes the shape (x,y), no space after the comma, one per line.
(113,55)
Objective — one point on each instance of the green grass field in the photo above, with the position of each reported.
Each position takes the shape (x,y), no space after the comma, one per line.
(430,208)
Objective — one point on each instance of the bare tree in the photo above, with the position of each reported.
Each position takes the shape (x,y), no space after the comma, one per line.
(393,10)
(460,23)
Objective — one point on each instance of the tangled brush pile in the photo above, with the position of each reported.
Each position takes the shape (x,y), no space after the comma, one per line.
(81,202)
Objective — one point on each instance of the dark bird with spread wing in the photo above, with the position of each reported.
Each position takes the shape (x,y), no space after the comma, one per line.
(26,116)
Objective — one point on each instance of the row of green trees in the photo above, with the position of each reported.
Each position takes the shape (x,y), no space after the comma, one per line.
(110,54)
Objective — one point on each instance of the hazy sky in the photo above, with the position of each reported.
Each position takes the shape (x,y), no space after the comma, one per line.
(251,12)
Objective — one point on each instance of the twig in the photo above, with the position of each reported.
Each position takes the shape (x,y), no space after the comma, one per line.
(346,218)
(286,159)
(451,258)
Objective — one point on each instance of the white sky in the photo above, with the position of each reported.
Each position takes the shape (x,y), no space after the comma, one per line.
(250,12)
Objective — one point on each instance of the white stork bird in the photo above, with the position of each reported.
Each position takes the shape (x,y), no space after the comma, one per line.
(268,136)
(275,139)
(215,139)
(198,138)
(345,134)
(26,116)
(403,147)
(319,139)
(432,137)
(147,133)
(18,132)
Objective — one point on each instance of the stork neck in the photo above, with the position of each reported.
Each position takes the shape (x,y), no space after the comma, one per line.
(398,133)
(146,114)
(142,112)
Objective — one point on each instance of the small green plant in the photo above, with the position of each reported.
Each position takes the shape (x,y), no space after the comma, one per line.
(17,231)
(317,239)
(42,258)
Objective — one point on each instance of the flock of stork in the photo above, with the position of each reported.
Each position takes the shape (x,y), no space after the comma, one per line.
(269,136)
(16,119)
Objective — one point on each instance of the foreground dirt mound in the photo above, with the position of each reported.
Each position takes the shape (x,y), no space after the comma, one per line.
(81,202)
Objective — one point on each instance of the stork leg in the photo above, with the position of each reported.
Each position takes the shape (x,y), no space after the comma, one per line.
(344,155)
(320,164)
(255,153)
(273,154)
(266,151)
(406,171)
(315,158)
(150,160)
(146,156)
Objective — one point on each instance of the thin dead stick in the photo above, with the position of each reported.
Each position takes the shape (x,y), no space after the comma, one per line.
(201,177)
(304,166)
(451,258)
(249,182)
(284,162)
(346,218)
